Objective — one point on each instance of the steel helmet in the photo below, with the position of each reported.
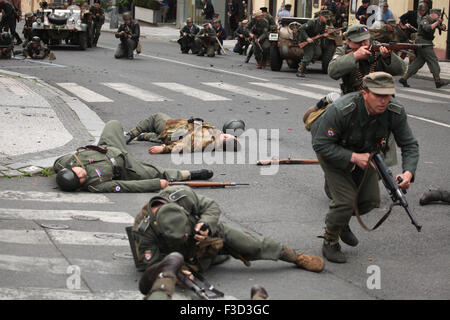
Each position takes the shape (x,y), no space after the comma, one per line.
(36,39)
(127,16)
(232,126)
(67,180)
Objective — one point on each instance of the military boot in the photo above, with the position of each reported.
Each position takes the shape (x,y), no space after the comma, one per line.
(439,82)
(128,137)
(331,249)
(258,293)
(404,81)
(259,65)
(301,260)
(434,195)
(162,276)
(301,71)
(348,237)
(203,174)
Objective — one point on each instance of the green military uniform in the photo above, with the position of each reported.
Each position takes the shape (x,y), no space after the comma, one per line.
(116,170)
(344,66)
(425,35)
(36,50)
(172,229)
(6,46)
(312,51)
(260,29)
(98,19)
(205,41)
(178,135)
(346,127)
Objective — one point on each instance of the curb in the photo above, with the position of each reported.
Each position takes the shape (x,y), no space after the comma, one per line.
(88,118)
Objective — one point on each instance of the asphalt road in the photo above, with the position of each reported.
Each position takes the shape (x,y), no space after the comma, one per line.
(288,206)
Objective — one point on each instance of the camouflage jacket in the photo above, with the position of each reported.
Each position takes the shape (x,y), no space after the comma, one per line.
(180,135)
(40,51)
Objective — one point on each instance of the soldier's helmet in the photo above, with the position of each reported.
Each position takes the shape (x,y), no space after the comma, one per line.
(127,16)
(36,40)
(173,225)
(422,6)
(67,180)
(6,37)
(234,127)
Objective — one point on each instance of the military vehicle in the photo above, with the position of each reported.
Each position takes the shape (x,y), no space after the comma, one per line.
(57,23)
(285,46)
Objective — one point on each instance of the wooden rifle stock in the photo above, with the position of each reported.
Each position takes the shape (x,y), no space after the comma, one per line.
(305,43)
(205,184)
(375,47)
(287,161)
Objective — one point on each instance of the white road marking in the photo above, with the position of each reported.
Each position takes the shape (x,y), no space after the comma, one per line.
(63,237)
(135,92)
(427,92)
(189,91)
(40,265)
(430,121)
(41,62)
(75,197)
(83,93)
(291,90)
(65,215)
(243,91)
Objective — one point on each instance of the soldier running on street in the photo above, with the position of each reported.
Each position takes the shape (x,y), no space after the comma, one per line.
(107,167)
(259,32)
(98,19)
(243,38)
(427,28)
(185,135)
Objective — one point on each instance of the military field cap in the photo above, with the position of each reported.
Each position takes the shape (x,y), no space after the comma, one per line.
(365,1)
(173,223)
(205,24)
(245,21)
(188,20)
(325,13)
(436,10)
(217,21)
(263,9)
(379,83)
(258,13)
(357,33)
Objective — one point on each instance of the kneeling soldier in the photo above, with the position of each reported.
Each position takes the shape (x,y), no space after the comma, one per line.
(187,37)
(107,167)
(205,41)
(128,33)
(179,220)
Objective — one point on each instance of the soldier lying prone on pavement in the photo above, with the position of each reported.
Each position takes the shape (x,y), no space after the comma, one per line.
(107,167)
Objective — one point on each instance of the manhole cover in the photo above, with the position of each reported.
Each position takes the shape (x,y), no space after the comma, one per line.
(110,236)
(85,218)
(54,226)
(123,255)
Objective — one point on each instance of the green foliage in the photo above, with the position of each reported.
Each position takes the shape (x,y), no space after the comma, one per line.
(47,172)
(149,4)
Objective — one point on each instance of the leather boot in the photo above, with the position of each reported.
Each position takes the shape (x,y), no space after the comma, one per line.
(301,260)
(331,249)
(165,272)
(434,195)
(439,82)
(348,237)
(404,81)
(259,65)
(258,293)
(301,71)
(203,174)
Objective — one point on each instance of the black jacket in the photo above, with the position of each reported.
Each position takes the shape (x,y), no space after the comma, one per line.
(208,10)
(134,29)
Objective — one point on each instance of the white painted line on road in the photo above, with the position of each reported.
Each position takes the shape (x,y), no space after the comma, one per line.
(430,121)
(41,62)
(320,87)
(135,92)
(83,93)
(63,237)
(40,265)
(65,215)
(243,91)
(28,293)
(190,91)
(54,197)
(290,90)
(427,92)
(171,61)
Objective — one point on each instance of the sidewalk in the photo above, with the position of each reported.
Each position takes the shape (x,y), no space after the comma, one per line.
(39,123)
(172,33)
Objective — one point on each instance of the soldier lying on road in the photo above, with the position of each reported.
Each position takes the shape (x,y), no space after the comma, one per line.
(108,167)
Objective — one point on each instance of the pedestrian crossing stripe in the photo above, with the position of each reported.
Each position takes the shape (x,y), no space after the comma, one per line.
(148,96)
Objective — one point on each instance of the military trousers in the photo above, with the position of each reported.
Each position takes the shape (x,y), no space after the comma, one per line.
(310,52)
(112,136)
(188,43)
(153,126)
(343,186)
(97,26)
(208,45)
(125,48)
(262,54)
(424,55)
